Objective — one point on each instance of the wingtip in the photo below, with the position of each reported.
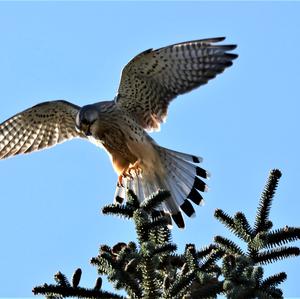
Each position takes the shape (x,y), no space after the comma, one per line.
(193,216)
(199,185)
(202,173)
(197,159)
(230,47)
(187,208)
(234,56)
(213,39)
(178,219)
(219,39)
(195,197)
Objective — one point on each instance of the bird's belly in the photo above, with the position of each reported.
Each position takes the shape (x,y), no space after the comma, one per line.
(146,153)
(120,155)
(96,142)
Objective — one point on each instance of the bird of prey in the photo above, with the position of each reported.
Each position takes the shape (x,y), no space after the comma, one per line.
(149,82)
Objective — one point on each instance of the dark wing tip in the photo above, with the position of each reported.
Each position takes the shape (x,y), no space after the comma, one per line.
(231,55)
(210,40)
(226,47)
(216,39)
(187,208)
(200,185)
(202,172)
(203,41)
(178,219)
(196,159)
(195,197)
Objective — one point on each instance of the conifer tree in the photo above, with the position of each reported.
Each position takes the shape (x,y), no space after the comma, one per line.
(152,269)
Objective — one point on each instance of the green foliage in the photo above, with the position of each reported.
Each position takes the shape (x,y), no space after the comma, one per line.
(243,272)
(151,268)
(262,215)
(63,288)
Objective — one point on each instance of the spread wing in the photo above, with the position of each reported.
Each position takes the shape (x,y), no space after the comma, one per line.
(152,79)
(38,127)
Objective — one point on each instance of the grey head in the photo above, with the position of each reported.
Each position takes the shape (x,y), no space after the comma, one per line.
(85,118)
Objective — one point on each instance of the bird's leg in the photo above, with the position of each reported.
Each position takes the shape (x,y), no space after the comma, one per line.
(122,176)
(136,167)
(127,172)
(120,181)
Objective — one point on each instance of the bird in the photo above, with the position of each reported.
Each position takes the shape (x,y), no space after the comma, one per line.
(149,83)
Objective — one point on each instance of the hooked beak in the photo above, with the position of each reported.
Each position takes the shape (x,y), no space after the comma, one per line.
(84,128)
(77,129)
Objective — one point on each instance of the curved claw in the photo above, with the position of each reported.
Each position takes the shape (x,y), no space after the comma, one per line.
(120,181)
(127,172)
(136,168)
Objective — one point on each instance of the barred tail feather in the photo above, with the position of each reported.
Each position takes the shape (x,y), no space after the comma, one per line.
(138,188)
(184,156)
(119,194)
(181,176)
(185,185)
(190,167)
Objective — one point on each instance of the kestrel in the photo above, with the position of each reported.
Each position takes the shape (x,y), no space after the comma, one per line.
(149,82)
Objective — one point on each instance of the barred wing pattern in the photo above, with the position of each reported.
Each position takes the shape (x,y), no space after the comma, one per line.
(38,127)
(152,79)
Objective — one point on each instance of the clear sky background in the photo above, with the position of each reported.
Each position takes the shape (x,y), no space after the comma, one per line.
(244,123)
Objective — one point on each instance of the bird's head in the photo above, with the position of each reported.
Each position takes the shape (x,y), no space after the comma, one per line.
(85,118)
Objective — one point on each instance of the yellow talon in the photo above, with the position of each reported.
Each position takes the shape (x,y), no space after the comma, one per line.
(120,181)
(135,167)
(127,172)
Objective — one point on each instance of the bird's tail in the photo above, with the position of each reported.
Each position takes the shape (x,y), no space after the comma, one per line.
(181,176)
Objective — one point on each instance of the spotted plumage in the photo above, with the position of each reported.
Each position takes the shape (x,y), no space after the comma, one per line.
(149,82)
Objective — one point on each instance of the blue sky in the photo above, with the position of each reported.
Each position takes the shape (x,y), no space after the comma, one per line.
(244,123)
